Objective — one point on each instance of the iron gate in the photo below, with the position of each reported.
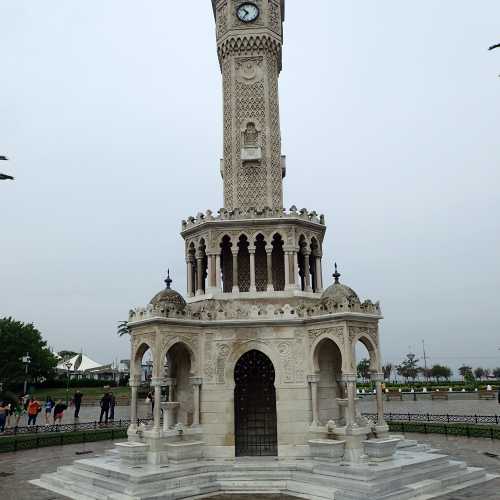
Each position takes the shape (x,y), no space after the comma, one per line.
(255,406)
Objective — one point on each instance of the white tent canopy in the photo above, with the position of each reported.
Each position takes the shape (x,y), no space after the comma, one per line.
(78,363)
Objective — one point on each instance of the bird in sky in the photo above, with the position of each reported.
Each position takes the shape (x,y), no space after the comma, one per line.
(2,157)
(496,46)
(4,177)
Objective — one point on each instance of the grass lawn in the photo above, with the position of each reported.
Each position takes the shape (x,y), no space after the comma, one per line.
(88,392)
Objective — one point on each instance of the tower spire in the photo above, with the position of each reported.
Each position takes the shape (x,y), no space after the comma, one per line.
(336,274)
(168,281)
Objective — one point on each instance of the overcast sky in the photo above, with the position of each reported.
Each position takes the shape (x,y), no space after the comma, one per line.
(111,113)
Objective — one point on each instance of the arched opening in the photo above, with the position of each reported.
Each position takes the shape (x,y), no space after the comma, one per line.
(328,360)
(226,258)
(278,263)
(260,264)
(143,370)
(312,264)
(178,373)
(243,264)
(255,406)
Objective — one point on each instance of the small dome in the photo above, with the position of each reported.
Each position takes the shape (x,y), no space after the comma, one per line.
(339,292)
(168,296)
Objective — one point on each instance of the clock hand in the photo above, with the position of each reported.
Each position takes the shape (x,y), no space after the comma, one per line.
(245,11)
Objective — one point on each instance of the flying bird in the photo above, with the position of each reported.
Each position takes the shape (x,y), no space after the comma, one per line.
(4,177)
(3,157)
(496,46)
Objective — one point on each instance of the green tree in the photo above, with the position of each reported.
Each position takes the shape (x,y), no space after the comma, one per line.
(496,372)
(67,354)
(122,328)
(364,369)
(408,369)
(463,370)
(479,373)
(441,371)
(426,373)
(17,339)
(469,378)
(387,370)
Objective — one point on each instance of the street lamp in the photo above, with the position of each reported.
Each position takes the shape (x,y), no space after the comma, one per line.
(26,361)
(68,366)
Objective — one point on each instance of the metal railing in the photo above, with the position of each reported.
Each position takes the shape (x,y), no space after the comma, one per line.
(439,419)
(75,427)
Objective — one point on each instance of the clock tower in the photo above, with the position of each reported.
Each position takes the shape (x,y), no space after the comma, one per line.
(249,41)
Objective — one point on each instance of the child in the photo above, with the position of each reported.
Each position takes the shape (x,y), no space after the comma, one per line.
(47,406)
(59,411)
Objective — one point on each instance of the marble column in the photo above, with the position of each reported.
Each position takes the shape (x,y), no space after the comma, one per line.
(253,287)
(296,275)
(210,273)
(313,381)
(196,383)
(156,383)
(199,275)
(189,264)
(307,272)
(236,288)
(217,273)
(286,258)
(381,427)
(170,382)
(319,278)
(134,384)
(269,253)
(350,380)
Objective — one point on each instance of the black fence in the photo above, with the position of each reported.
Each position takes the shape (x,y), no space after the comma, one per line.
(75,427)
(440,419)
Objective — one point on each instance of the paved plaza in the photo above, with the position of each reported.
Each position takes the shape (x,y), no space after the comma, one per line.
(17,468)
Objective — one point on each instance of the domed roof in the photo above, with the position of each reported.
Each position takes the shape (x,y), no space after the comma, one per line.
(339,292)
(168,296)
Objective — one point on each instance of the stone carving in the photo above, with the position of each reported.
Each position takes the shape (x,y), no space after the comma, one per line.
(222,19)
(275,17)
(336,332)
(284,349)
(249,70)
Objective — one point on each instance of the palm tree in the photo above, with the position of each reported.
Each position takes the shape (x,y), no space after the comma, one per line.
(123,328)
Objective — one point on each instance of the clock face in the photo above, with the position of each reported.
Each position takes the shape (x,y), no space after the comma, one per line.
(248,12)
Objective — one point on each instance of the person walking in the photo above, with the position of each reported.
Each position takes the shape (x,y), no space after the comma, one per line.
(3,416)
(112,403)
(47,406)
(34,408)
(77,401)
(59,411)
(19,411)
(105,404)
(151,400)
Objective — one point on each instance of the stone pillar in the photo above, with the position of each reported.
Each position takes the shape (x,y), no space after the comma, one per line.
(269,252)
(134,384)
(189,264)
(381,428)
(286,257)
(236,288)
(170,383)
(307,273)
(296,270)
(217,272)
(196,382)
(313,381)
(210,273)
(319,278)
(350,380)
(156,383)
(199,275)
(253,287)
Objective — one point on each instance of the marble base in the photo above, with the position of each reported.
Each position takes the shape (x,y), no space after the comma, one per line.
(410,474)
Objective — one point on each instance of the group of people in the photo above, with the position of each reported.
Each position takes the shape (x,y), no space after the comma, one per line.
(53,411)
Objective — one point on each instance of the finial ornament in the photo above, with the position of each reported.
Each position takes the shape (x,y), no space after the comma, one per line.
(168,281)
(336,274)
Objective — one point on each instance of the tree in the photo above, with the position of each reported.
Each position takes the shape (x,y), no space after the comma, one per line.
(17,339)
(387,370)
(463,370)
(496,372)
(408,368)
(440,371)
(364,369)
(426,373)
(479,373)
(123,328)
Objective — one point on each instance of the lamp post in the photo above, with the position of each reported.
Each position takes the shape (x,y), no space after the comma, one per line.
(26,361)
(68,365)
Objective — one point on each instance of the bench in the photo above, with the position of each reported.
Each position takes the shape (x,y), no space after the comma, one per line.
(439,395)
(394,396)
(484,394)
